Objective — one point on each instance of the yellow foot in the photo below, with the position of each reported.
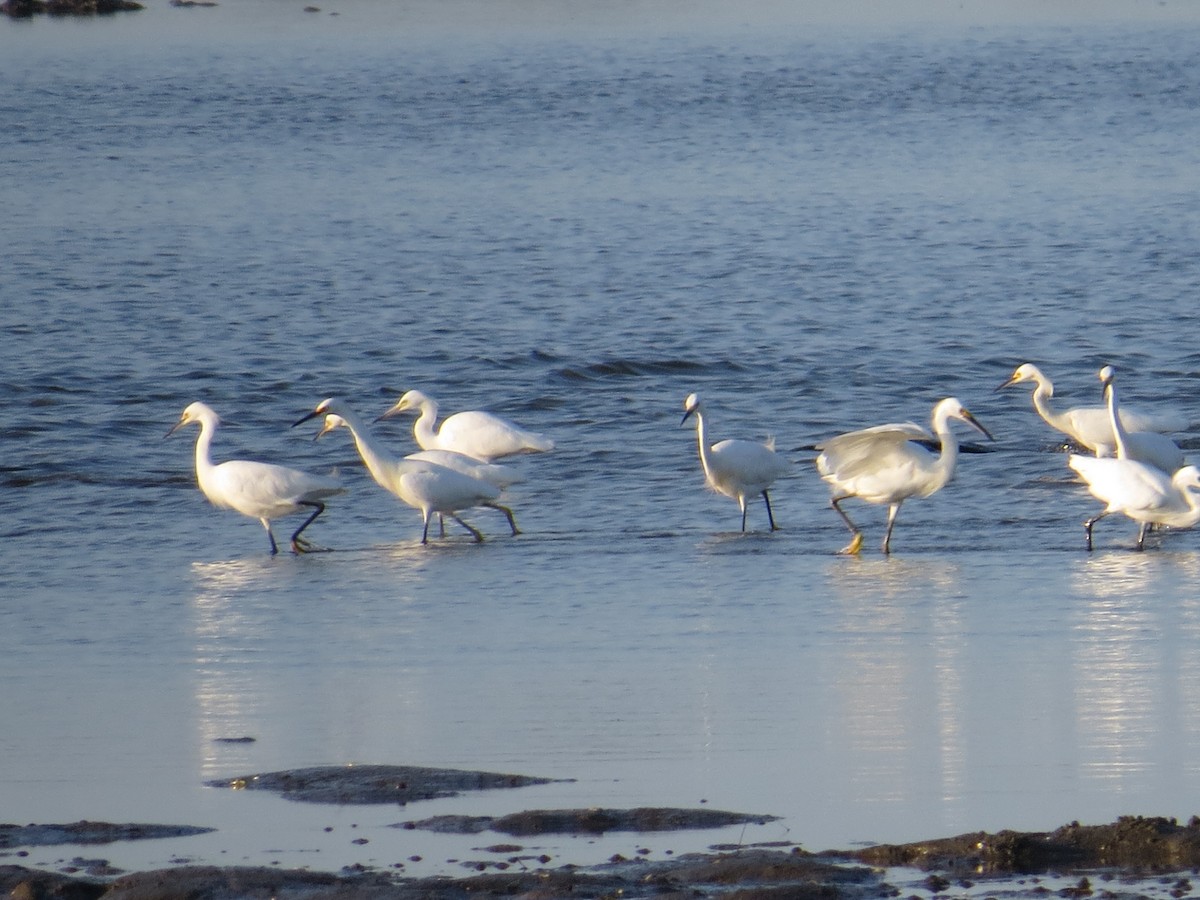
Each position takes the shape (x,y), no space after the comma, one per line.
(854,546)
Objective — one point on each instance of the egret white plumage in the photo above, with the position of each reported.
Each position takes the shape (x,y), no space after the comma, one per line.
(479,434)
(423,485)
(1087,425)
(884,464)
(1139,491)
(263,491)
(1149,447)
(736,468)
(499,475)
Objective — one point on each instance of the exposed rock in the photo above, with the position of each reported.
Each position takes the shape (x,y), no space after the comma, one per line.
(374,784)
(1131,855)
(84,832)
(1131,841)
(588,821)
(24,9)
(750,873)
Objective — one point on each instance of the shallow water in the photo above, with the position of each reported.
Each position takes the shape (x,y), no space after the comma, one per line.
(818,227)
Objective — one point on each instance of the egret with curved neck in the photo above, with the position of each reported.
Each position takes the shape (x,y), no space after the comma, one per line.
(479,434)
(1088,426)
(423,485)
(736,468)
(883,465)
(263,491)
(1139,491)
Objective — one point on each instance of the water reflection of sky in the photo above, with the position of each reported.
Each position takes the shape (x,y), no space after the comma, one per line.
(1137,694)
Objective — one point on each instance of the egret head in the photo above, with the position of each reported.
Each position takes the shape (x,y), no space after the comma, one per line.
(1027,372)
(952,408)
(332,421)
(690,405)
(195,412)
(408,400)
(1187,478)
(323,407)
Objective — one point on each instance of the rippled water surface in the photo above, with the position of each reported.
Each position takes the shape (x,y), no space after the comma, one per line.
(818,226)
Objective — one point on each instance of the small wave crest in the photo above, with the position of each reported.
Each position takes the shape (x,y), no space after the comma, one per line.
(636,368)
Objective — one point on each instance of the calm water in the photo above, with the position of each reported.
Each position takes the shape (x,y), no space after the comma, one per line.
(820,226)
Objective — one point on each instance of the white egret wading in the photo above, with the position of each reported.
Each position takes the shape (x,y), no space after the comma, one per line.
(479,434)
(1142,492)
(499,475)
(884,465)
(260,490)
(736,468)
(1089,426)
(1149,447)
(423,485)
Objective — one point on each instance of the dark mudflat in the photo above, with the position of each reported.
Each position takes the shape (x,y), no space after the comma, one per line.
(370,784)
(588,821)
(89,833)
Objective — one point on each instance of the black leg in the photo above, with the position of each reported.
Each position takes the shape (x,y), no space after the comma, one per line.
(770,517)
(266,523)
(1087,527)
(298,545)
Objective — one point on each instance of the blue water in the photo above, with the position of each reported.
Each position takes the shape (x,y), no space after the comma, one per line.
(574,217)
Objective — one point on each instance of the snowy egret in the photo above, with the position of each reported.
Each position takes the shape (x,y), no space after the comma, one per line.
(735,468)
(884,465)
(260,490)
(478,434)
(423,485)
(1087,425)
(1149,447)
(1140,491)
(499,475)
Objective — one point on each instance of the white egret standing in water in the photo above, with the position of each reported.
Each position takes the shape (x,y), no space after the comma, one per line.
(499,475)
(736,468)
(423,485)
(479,434)
(1149,447)
(263,491)
(1087,425)
(884,465)
(1138,490)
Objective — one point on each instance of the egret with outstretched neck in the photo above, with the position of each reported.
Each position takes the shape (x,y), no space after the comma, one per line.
(423,485)
(263,491)
(1139,491)
(736,468)
(499,475)
(479,434)
(884,465)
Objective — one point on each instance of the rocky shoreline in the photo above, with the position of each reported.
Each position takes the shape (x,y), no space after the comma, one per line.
(1134,857)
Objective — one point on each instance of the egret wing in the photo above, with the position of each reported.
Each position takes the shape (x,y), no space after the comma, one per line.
(852,454)
(1125,484)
